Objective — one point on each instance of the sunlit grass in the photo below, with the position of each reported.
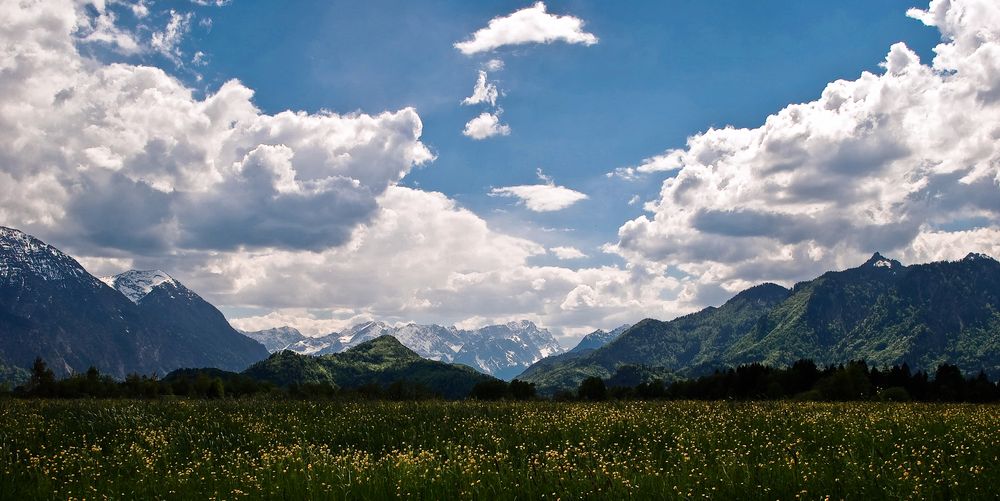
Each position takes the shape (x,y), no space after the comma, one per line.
(440,450)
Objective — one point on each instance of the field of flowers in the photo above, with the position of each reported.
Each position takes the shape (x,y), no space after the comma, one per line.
(536,450)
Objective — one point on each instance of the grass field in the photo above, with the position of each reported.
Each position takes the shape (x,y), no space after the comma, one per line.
(437,450)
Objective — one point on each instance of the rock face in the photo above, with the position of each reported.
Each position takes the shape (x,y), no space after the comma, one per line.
(502,351)
(51,307)
(882,312)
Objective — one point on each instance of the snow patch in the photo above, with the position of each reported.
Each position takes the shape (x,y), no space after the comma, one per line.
(137,284)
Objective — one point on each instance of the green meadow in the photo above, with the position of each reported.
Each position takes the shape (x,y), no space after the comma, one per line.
(263,449)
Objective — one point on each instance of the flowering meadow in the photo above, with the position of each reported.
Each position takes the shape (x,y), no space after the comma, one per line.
(232,449)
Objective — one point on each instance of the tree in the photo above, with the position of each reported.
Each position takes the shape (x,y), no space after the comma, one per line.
(216,388)
(522,390)
(493,389)
(592,389)
(42,380)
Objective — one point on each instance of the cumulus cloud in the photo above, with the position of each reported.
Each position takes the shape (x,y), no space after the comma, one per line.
(546,197)
(884,162)
(124,157)
(529,25)
(484,91)
(565,253)
(486,125)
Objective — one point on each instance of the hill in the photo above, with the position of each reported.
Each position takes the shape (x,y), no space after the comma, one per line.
(380,361)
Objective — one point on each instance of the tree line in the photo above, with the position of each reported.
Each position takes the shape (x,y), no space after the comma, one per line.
(804,380)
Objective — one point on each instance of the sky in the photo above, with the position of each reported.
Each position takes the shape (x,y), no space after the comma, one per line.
(580,164)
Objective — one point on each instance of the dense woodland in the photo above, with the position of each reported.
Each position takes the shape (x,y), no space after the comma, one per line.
(804,380)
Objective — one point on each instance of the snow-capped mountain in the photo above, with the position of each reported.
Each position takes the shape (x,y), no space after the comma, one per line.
(499,350)
(317,345)
(276,339)
(136,284)
(22,255)
(431,341)
(504,351)
(50,306)
(599,338)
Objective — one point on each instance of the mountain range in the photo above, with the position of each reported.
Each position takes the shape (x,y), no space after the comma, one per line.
(502,351)
(882,312)
(137,322)
(149,323)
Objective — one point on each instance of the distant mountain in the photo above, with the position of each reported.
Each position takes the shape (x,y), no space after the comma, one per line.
(51,307)
(598,338)
(881,311)
(506,350)
(381,361)
(499,350)
(276,339)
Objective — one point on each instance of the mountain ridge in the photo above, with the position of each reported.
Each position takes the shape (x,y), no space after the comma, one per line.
(51,307)
(881,311)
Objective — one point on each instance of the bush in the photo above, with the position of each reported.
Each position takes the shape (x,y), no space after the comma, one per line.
(894,394)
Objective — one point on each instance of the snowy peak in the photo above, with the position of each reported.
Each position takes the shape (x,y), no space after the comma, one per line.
(977,256)
(137,284)
(277,338)
(23,255)
(599,338)
(878,261)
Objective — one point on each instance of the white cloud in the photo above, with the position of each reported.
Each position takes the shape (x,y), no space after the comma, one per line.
(120,157)
(545,197)
(307,322)
(529,25)
(565,253)
(484,92)
(634,200)
(486,125)
(493,65)
(424,258)
(101,28)
(884,162)
(666,162)
(167,41)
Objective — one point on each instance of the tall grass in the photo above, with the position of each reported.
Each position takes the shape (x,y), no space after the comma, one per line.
(536,450)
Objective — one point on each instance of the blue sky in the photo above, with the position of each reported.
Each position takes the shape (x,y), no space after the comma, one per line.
(640,159)
(661,72)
